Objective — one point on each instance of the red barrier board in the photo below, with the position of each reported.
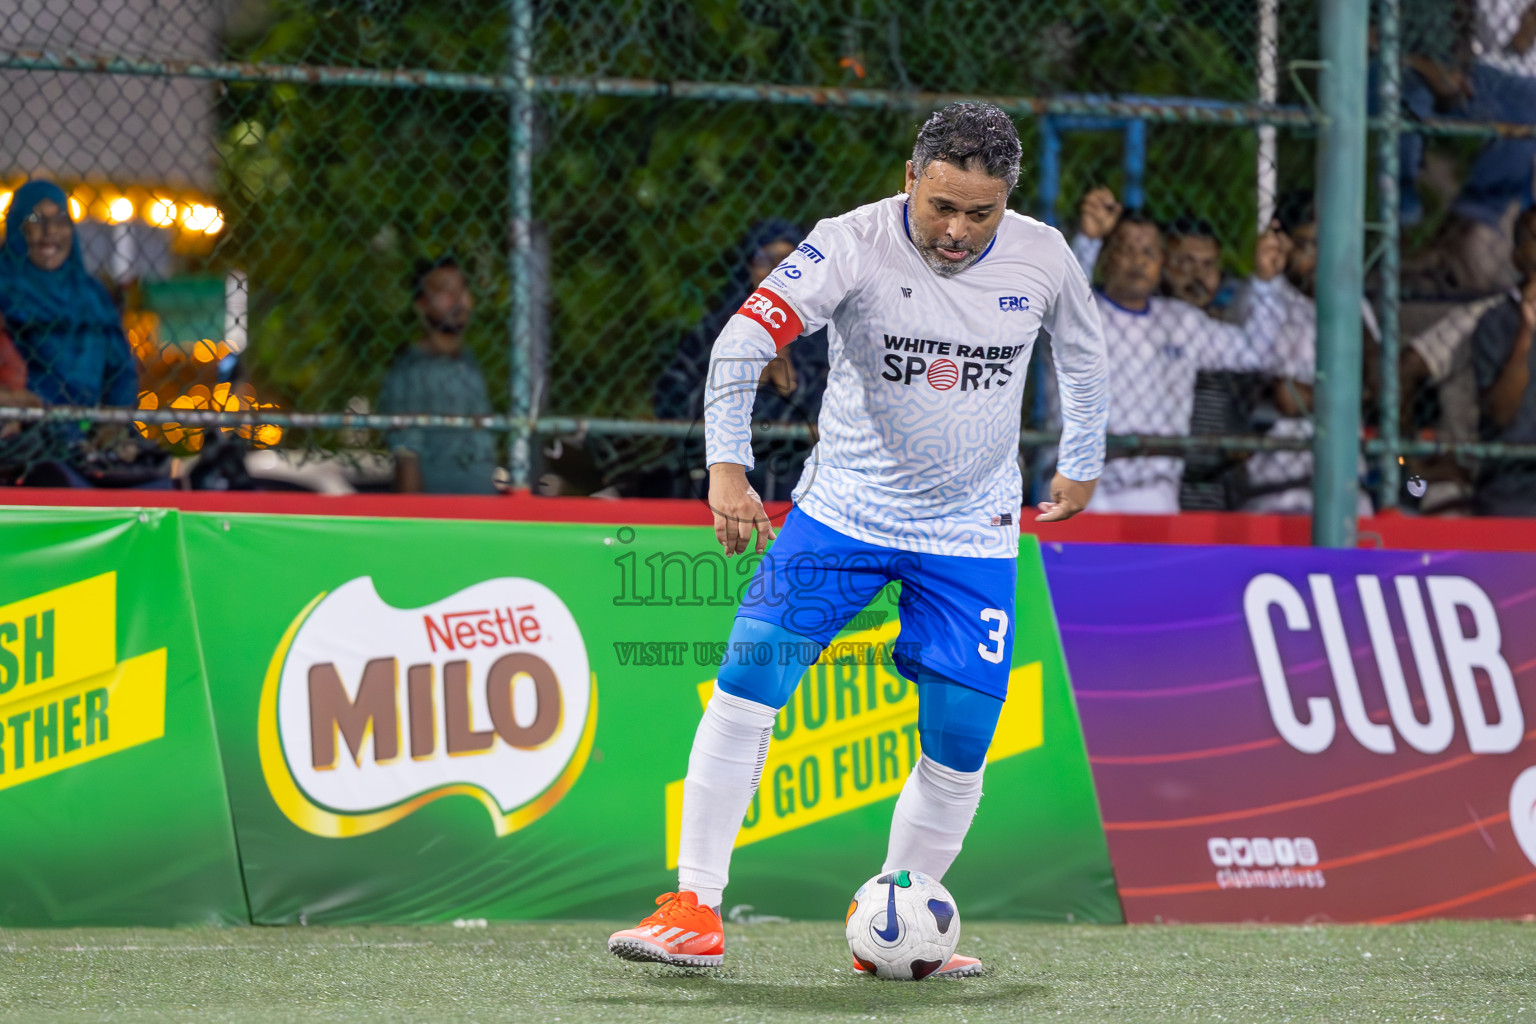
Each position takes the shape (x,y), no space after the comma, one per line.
(1390,531)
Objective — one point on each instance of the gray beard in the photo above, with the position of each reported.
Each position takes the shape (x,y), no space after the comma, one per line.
(944,267)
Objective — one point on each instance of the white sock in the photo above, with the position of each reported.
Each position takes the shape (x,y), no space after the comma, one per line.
(932,816)
(723,772)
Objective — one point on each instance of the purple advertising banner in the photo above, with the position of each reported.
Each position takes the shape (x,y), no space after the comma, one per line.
(1283,734)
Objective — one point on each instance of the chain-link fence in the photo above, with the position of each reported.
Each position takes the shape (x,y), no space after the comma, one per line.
(396,243)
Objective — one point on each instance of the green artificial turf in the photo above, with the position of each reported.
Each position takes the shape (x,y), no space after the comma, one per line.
(1450,971)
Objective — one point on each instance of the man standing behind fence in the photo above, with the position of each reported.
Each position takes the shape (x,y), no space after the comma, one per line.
(438,375)
(932,300)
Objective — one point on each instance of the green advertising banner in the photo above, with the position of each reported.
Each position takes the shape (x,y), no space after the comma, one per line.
(111,795)
(429,720)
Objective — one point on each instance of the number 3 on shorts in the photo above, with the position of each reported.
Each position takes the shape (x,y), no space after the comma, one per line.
(994,654)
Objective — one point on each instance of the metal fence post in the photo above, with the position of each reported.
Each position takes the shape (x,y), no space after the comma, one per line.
(1388,60)
(1340,271)
(520,257)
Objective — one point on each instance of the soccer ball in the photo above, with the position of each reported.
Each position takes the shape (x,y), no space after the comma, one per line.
(902,926)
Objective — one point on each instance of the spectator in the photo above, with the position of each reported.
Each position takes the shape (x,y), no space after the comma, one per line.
(1281,481)
(1224,402)
(1192,259)
(790,388)
(1493,78)
(62,319)
(437,375)
(1501,357)
(1098,214)
(1156,347)
(1438,392)
(1192,269)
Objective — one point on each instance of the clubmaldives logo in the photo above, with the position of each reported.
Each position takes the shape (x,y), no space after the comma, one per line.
(1265,863)
(370,712)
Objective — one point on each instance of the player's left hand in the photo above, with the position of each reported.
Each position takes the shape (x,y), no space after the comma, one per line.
(1068,498)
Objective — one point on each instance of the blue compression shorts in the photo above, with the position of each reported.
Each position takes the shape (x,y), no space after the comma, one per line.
(956,613)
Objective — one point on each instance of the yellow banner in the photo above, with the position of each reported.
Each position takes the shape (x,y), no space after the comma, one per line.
(90,718)
(848,738)
(57,638)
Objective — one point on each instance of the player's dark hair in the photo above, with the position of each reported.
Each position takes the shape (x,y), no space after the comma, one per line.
(1296,209)
(425,267)
(970,136)
(1130,218)
(1187,225)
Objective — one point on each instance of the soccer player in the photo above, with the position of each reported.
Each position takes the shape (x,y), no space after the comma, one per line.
(932,299)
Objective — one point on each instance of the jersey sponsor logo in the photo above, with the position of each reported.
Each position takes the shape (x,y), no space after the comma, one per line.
(810,252)
(773,313)
(943,374)
(1013,303)
(928,346)
(789,270)
(906,293)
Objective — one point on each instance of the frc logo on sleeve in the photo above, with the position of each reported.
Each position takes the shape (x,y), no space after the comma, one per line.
(774,313)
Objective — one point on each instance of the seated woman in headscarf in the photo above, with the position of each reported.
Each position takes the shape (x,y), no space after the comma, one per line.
(61,318)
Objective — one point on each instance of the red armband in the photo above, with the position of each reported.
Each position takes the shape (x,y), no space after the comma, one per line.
(773,313)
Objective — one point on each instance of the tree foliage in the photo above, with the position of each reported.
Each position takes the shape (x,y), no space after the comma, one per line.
(332,191)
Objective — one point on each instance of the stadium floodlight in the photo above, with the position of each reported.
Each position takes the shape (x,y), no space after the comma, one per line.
(120,210)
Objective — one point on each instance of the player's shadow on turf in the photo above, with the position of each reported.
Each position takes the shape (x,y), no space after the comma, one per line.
(863,995)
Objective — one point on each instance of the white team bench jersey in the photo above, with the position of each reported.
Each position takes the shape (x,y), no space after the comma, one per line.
(919,427)
(1155,354)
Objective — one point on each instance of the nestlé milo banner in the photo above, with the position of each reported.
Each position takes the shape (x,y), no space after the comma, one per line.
(429,720)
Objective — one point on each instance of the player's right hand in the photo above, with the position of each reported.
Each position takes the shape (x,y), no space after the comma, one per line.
(738,510)
(1098,213)
(1068,498)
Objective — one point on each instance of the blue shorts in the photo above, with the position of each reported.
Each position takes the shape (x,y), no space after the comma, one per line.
(956,612)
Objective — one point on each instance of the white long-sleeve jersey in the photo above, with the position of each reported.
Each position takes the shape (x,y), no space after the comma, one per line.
(919,428)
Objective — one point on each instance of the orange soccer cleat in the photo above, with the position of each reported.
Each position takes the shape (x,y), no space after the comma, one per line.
(681,933)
